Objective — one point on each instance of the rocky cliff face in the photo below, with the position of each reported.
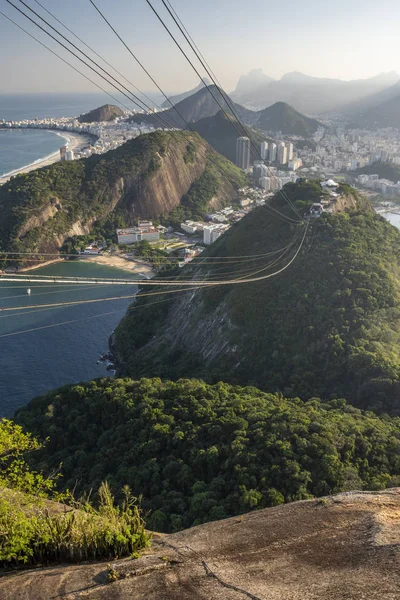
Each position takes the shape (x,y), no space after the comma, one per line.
(344,546)
(146,177)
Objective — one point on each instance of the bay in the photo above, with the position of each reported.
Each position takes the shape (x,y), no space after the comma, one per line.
(44,349)
(22,147)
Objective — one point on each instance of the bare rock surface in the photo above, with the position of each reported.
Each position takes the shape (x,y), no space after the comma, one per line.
(344,547)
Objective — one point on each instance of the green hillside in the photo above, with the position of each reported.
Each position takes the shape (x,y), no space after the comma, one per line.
(40,526)
(145,177)
(108,112)
(327,326)
(198,452)
(384,170)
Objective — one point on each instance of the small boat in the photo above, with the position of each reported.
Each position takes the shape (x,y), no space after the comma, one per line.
(28,291)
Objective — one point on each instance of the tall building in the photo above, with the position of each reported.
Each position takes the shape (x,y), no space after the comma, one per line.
(258,170)
(289,147)
(264,150)
(265,183)
(243,152)
(63,152)
(282,154)
(213,232)
(272,153)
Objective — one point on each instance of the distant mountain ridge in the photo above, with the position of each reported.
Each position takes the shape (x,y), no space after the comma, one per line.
(310,95)
(197,106)
(202,105)
(179,97)
(107,112)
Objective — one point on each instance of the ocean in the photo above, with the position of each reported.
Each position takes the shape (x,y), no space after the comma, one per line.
(40,106)
(22,147)
(42,349)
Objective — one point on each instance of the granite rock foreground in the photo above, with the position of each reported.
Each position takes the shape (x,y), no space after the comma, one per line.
(340,547)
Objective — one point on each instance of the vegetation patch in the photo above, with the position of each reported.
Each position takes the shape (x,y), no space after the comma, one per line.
(39,526)
(198,452)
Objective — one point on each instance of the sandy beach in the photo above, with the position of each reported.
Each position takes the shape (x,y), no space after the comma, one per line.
(135,267)
(38,266)
(118,261)
(76,141)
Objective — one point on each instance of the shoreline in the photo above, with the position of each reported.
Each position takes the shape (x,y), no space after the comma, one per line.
(117,261)
(75,142)
(121,262)
(43,264)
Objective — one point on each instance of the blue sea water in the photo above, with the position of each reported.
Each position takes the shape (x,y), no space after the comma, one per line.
(22,147)
(41,349)
(40,106)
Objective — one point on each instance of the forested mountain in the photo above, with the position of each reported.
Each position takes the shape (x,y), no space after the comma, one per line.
(146,177)
(220,131)
(108,112)
(327,326)
(284,118)
(200,105)
(197,452)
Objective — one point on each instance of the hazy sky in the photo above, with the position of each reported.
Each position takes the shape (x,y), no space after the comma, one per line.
(347,39)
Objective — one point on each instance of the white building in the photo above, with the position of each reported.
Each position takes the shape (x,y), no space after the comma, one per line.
(264,150)
(289,147)
(213,232)
(295,164)
(282,154)
(144,231)
(243,152)
(69,155)
(63,152)
(265,183)
(272,153)
(189,227)
(353,164)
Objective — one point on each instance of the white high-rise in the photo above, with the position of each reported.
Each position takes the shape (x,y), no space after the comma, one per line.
(265,183)
(272,153)
(264,150)
(289,147)
(243,152)
(282,154)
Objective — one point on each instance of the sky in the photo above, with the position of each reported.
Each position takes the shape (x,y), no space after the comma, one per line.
(346,39)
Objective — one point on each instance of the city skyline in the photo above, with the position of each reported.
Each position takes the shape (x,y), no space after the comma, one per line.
(343,40)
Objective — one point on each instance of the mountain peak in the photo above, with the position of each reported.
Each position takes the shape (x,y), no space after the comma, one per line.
(256,78)
(179,97)
(107,112)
